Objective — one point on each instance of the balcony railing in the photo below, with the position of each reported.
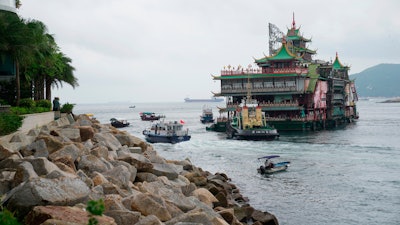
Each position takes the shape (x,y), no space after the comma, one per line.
(290,70)
(240,72)
(228,89)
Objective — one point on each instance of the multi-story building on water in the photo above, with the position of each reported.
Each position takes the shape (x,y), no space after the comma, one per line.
(294,91)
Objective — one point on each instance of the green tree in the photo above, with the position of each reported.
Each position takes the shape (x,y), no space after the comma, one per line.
(17,41)
(40,65)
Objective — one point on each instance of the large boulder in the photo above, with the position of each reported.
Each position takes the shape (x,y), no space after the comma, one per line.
(53,144)
(37,148)
(124,217)
(67,150)
(63,215)
(108,140)
(41,191)
(205,196)
(71,133)
(171,194)
(168,170)
(43,167)
(91,163)
(141,163)
(149,204)
(86,132)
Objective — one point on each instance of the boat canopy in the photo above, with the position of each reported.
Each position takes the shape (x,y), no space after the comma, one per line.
(269,157)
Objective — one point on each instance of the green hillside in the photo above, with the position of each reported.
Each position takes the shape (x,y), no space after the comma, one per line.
(378,81)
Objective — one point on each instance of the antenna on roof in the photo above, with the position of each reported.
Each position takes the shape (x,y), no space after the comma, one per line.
(275,38)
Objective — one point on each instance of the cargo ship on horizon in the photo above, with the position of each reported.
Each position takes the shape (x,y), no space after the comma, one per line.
(212,99)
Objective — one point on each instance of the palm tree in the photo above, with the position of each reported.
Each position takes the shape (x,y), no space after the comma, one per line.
(44,60)
(65,75)
(16,41)
(36,56)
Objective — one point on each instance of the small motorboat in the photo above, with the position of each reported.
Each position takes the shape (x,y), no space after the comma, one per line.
(166,132)
(270,167)
(119,122)
(150,116)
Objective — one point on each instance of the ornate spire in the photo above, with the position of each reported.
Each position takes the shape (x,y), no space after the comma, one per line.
(293,23)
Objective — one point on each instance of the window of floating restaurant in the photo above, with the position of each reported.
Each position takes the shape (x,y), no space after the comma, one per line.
(283,98)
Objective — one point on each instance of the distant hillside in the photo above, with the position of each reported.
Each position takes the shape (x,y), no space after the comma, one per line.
(382,80)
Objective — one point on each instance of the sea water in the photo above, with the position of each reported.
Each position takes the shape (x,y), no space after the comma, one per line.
(348,175)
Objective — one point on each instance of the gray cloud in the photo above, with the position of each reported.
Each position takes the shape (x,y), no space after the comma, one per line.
(123,49)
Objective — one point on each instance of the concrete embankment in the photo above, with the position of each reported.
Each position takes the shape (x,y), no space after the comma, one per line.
(49,173)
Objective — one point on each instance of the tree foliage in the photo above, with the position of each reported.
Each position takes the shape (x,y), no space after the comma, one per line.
(39,62)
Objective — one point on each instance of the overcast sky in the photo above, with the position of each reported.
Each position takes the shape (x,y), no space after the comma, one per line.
(166,50)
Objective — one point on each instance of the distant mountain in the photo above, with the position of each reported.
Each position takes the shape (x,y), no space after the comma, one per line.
(382,80)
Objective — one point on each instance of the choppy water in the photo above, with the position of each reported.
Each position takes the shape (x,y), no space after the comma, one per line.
(344,176)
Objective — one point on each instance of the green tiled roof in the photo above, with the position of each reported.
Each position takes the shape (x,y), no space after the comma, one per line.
(337,64)
(282,54)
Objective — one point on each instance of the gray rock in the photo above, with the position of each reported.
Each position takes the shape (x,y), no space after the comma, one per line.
(141,163)
(6,181)
(168,170)
(43,166)
(124,217)
(119,175)
(25,172)
(52,143)
(42,191)
(91,163)
(171,194)
(67,150)
(11,162)
(37,148)
(5,152)
(108,140)
(149,204)
(192,218)
(72,133)
(146,176)
(132,169)
(85,178)
(113,202)
(100,151)
(149,220)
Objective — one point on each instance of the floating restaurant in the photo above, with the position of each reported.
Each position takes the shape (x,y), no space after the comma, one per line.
(294,91)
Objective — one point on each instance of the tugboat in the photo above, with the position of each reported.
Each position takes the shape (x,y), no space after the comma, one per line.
(249,123)
(219,126)
(166,132)
(207,115)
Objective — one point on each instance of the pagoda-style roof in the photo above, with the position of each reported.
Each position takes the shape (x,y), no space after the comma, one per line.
(293,34)
(282,54)
(337,64)
(300,49)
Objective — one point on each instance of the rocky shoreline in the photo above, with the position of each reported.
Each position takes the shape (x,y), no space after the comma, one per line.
(49,174)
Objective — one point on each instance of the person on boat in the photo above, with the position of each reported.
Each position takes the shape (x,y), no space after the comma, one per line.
(268,164)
